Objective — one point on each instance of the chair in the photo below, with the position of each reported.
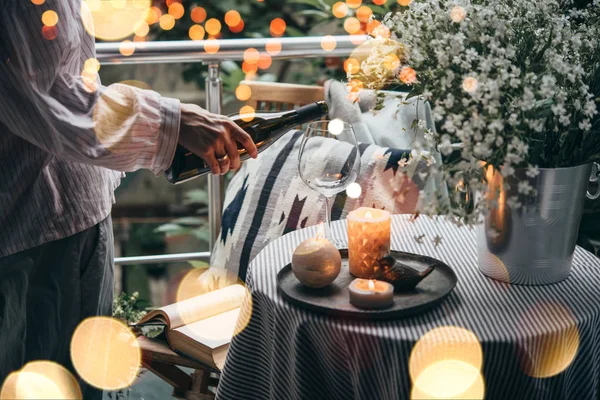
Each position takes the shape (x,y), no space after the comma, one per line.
(269,96)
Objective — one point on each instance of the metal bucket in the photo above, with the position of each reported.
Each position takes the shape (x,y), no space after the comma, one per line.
(534,244)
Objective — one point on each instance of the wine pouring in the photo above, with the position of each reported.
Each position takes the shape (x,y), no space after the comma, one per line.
(264,128)
(329,161)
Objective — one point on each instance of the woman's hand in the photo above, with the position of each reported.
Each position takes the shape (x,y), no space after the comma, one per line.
(213,137)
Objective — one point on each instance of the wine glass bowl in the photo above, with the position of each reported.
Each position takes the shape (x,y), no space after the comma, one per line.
(329,159)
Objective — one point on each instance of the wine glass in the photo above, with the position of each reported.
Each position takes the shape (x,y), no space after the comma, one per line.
(329,161)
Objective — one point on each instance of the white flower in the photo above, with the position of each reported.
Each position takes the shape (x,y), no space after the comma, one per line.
(524,187)
(532,171)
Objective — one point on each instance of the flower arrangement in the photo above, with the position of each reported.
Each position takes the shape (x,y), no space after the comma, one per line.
(512,84)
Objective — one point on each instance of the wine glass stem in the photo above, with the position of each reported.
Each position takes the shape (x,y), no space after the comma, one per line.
(329,205)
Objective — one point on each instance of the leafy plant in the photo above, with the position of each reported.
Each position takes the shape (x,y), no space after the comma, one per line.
(302,17)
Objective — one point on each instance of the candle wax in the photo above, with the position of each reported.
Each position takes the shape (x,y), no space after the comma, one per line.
(366,293)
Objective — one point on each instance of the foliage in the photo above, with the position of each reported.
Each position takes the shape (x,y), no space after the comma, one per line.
(514,83)
(302,17)
(128,309)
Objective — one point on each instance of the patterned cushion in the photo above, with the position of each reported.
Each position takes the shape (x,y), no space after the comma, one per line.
(267,198)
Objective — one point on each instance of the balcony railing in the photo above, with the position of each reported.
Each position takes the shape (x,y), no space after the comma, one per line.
(194,52)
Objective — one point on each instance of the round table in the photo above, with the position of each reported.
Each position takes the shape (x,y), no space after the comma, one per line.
(536,341)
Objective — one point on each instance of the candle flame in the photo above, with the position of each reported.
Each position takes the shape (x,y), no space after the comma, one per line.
(368,215)
(321,231)
(371,285)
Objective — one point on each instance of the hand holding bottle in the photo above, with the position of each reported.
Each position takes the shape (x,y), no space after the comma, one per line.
(213,138)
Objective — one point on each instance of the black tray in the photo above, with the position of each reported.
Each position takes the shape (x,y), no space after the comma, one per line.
(334,299)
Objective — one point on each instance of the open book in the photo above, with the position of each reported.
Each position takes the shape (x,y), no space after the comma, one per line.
(202,327)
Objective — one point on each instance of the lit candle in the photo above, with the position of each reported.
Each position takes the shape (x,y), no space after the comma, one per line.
(368,240)
(316,262)
(367,293)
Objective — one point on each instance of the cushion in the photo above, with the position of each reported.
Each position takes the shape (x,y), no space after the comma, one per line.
(267,198)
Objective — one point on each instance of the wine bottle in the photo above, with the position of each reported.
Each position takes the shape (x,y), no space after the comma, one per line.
(264,128)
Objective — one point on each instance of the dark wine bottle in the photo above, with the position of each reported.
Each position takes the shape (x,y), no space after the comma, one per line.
(264,128)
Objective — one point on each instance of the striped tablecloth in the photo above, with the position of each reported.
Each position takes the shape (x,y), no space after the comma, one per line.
(289,353)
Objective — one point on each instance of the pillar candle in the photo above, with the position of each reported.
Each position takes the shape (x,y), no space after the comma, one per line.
(368,240)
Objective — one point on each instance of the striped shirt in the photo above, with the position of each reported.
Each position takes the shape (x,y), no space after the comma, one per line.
(64,136)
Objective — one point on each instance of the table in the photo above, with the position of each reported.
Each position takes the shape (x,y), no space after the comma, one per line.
(537,342)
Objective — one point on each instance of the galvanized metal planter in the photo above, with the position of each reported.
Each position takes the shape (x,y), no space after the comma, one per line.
(534,244)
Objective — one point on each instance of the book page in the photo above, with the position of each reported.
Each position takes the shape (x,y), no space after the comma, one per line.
(214,331)
(205,306)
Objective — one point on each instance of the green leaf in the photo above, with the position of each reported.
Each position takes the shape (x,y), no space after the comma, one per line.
(199,264)
(314,3)
(317,13)
(190,221)
(166,228)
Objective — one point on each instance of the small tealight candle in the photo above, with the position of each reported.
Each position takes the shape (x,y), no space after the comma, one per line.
(367,293)
(368,240)
(316,262)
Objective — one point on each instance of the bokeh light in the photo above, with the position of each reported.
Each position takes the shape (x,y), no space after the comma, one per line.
(328,43)
(354,3)
(50,18)
(249,69)
(277,27)
(196,32)
(247,113)
(550,353)
(404,3)
(408,75)
(364,14)
(232,18)
(339,9)
(211,46)
(446,363)
(198,15)
(457,14)
(351,66)
(142,29)
(371,25)
(237,28)
(29,386)
(243,92)
(449,379)
(91,66)
(127,47)
(49,32)
(38,2)
(115,20)
(59,375)
(212,26)
(352,25)
(153,15)
(470,84)
(166,22)
(273,46)
(391,61)
(335,126)
(381,31)
(379,2)
(176,10)
(200,281)
(354,190)
(105,353)
(251,55)
(264,61)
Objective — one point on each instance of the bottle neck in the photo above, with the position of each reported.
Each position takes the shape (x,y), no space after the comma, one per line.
(311,112)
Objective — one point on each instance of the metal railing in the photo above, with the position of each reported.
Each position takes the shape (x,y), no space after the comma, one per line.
(229,49)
